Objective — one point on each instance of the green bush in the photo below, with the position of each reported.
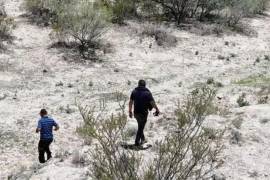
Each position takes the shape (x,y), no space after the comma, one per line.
(6,26)
(120,9)
(46,11)
(241,101)
(84,23)
(190,152)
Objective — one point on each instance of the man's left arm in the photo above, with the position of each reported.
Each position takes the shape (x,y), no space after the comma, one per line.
(154,105)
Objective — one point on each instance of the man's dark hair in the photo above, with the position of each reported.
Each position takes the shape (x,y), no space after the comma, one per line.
(141,83)
(43,112)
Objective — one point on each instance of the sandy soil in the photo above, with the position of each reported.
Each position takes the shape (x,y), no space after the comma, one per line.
(27,89)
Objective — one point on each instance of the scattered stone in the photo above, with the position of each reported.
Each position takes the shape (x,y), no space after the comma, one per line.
(129,82)
(68,110)
(116,70)
(15,96)
(3,12)
(59,84)
(45,71)
(221,57)
(267,57)
(236,137)
(227,43)
(253,174)
(233,55)
(264,121)
(210,81)
(90,84)
(2,97)
(237,123)
(70,85)
(164,39)
(197,53)
(218,177)
(180,84)
(241,101)
(78,158)
(258,60)
(150,45)
(130,54)
(219,84)
(263,100)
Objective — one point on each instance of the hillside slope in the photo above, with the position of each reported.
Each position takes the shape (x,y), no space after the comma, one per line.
(31,71)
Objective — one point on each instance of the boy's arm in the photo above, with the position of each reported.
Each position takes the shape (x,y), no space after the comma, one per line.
(38,129)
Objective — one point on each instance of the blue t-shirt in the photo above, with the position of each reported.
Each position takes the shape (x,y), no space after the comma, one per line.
(46,124)
(142,98)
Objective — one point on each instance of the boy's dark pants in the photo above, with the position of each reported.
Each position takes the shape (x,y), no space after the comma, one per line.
(141,119)
(44,147)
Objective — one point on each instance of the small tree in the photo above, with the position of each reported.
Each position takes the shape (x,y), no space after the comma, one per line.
(84,22)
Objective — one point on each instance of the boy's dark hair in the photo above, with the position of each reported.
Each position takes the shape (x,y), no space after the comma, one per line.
(141,83)
(43,112)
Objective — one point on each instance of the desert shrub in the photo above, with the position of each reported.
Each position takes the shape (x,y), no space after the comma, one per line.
(191,151)
(109,160)
(263,100)
(84,23)
(231,11)
(120,9)
(237,9)
(45,11)
(6,25)
(237,123)
(241,101)
(162,37)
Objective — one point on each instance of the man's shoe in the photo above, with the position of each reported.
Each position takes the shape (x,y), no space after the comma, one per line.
(143,142)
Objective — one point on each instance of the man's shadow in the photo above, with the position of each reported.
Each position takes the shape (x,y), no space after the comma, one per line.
(135,148)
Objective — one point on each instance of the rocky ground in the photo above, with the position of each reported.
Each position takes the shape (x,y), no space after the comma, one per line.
(33,76)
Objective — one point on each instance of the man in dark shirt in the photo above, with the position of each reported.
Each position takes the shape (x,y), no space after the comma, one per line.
(143,101)
(45,128)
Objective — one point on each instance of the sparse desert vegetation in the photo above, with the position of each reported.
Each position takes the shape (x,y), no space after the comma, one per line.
(206,62)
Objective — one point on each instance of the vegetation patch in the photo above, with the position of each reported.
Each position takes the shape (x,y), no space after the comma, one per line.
(189,152)
(254,80)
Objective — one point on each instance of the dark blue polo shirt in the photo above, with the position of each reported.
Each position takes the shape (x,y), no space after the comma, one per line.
(46,125)
(142,98)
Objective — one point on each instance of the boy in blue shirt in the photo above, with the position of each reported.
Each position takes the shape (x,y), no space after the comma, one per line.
(45,128)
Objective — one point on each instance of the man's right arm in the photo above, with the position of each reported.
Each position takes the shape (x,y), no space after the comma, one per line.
(154,105)
(130,105)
